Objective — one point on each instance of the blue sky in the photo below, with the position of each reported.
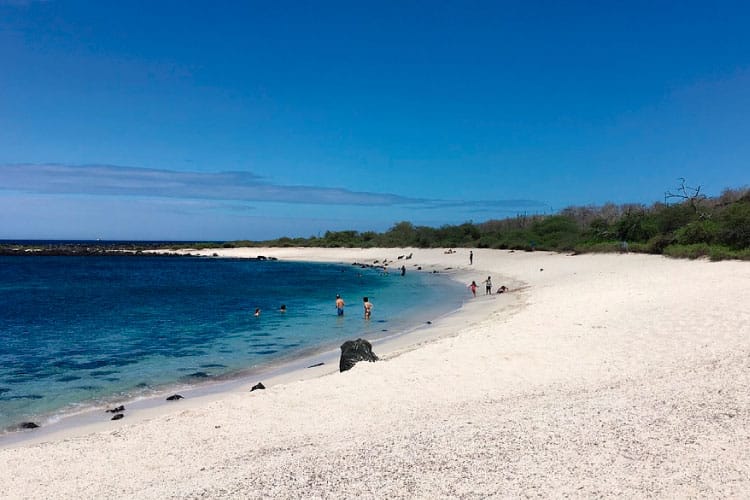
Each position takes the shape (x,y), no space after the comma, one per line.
(231,120)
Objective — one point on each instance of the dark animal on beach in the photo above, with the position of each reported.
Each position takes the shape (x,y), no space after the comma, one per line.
(353,351)
(116,410)
(118,416)
(28,425)
(174,397)
(408,256)
(258,386)
(400,257)
(316,364)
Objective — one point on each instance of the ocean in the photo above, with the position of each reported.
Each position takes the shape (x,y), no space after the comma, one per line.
(84,332)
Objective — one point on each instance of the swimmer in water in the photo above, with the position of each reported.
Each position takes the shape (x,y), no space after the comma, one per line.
(368,307)
(339,305)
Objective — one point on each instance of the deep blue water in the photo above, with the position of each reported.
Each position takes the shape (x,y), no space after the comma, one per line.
(80,331)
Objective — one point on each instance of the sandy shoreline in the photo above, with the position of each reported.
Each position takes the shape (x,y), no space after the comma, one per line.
(606,375)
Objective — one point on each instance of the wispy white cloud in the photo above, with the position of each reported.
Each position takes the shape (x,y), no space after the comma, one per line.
(233,190)
(111,180)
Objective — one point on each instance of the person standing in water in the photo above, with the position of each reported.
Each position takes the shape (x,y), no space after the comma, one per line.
(403,270)
(473,288)
(368,307)
(339,305)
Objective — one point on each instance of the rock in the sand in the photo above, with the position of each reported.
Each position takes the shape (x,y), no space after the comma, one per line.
(117,409)
(353,351)
(118,416)
(174,397)
(28,425)
(258,386)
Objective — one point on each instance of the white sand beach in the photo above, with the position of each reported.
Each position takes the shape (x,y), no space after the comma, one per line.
(596,375)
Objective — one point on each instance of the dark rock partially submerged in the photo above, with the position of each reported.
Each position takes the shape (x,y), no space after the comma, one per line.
(353,351)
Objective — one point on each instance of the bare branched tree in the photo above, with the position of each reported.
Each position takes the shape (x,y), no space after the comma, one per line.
(686,194)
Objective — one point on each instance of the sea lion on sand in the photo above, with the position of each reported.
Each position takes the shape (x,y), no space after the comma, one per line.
(117,409)
(118,416)
(259,385)
(174,397)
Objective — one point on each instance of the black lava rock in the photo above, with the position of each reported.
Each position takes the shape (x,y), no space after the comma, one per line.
(353,351)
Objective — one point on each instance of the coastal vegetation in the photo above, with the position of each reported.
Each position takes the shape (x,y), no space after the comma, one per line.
(686,224)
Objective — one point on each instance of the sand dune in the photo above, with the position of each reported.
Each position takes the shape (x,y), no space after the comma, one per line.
(597,375)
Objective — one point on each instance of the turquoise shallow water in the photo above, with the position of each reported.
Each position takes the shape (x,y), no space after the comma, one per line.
(80,331)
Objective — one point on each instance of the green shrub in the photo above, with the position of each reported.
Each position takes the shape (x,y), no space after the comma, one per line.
(734,225)
(688,251)
(669,218)
(702,231)
(636,226)
(599,247)
(713,252)
(658,243)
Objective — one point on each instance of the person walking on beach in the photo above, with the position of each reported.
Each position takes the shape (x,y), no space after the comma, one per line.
(473,288)
(368,307)
(339,305)
(471,257)
(488,286)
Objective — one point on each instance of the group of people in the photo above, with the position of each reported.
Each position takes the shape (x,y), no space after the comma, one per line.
(367,305)
(487,287)
(282,309)
(339,307)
